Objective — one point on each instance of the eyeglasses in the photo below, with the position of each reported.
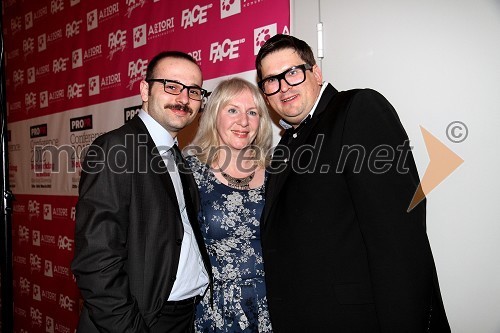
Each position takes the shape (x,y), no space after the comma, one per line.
(175,88)
(292,76)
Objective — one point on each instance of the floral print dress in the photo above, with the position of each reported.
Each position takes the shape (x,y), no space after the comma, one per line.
(229,221)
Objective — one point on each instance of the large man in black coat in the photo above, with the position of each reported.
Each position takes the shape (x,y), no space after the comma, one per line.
(341,252)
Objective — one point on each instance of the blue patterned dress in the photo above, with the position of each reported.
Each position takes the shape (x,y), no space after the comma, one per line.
(229,221)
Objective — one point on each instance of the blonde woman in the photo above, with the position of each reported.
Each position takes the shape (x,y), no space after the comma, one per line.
(228,157)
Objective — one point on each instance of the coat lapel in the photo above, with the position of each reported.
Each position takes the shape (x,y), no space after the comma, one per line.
(157,165)
(283,155)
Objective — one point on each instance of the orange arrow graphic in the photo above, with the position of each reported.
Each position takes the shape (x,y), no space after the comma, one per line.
(442,162)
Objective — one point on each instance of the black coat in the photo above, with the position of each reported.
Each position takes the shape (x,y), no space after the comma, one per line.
(128,232)
(341,252)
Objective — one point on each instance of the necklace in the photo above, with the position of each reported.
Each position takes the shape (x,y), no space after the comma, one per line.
(238,183)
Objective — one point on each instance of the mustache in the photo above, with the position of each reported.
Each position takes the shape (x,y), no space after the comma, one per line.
(180,107)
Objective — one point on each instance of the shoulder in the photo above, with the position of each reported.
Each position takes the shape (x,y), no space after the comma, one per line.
(366,105)
(194,162)
(200,171)
(132,130)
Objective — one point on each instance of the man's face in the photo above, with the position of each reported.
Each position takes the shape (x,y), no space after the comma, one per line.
(292,103)
(173,112)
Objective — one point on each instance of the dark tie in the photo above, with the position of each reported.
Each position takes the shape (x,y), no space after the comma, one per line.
(191,212)
(179,161)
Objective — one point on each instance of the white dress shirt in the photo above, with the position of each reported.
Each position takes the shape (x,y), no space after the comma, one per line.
(192,278)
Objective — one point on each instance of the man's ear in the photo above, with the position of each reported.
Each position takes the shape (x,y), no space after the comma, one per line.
(317,74)
(144,88)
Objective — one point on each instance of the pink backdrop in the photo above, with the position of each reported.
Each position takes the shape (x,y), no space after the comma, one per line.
(72,70)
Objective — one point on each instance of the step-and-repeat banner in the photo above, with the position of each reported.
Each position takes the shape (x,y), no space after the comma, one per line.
(73,69)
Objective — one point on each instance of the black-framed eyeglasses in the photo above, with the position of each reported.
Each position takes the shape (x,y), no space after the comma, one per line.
(293,76)
(175,88)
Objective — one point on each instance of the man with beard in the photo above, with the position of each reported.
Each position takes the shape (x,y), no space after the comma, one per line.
(140,261)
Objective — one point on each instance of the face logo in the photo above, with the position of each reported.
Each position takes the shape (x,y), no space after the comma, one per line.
(56,6)
(73,28)
(117,41)
(226,49)
(196,15)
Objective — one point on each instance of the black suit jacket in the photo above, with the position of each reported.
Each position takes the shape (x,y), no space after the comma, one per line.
(341,252)
(128,232)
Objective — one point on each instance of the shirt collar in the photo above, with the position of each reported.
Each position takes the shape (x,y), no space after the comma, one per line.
(286,125)
(161,137)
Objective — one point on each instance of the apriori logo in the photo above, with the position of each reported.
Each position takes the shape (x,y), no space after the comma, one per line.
(48,269)
(44,99)
(92,21)
(161,28)
(56,95)
(92,52)
(112,80)
(109,12)
(20,312)
(42,42)
(38,131)
(28,20)
(13,54)
(139,36)
(36,237)
(77,58)
(80,123)
(229,8)
(130,112)
(49,325)
(198,14)
(49,295)
(55,35)
(227,49)
(262,34)
(196,55)
(40,13)
(37,294)
(31,75)
(60,328)
(42,70)
(47,212)
(94,88)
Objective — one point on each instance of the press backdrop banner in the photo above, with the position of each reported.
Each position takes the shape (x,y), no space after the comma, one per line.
(73,69)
